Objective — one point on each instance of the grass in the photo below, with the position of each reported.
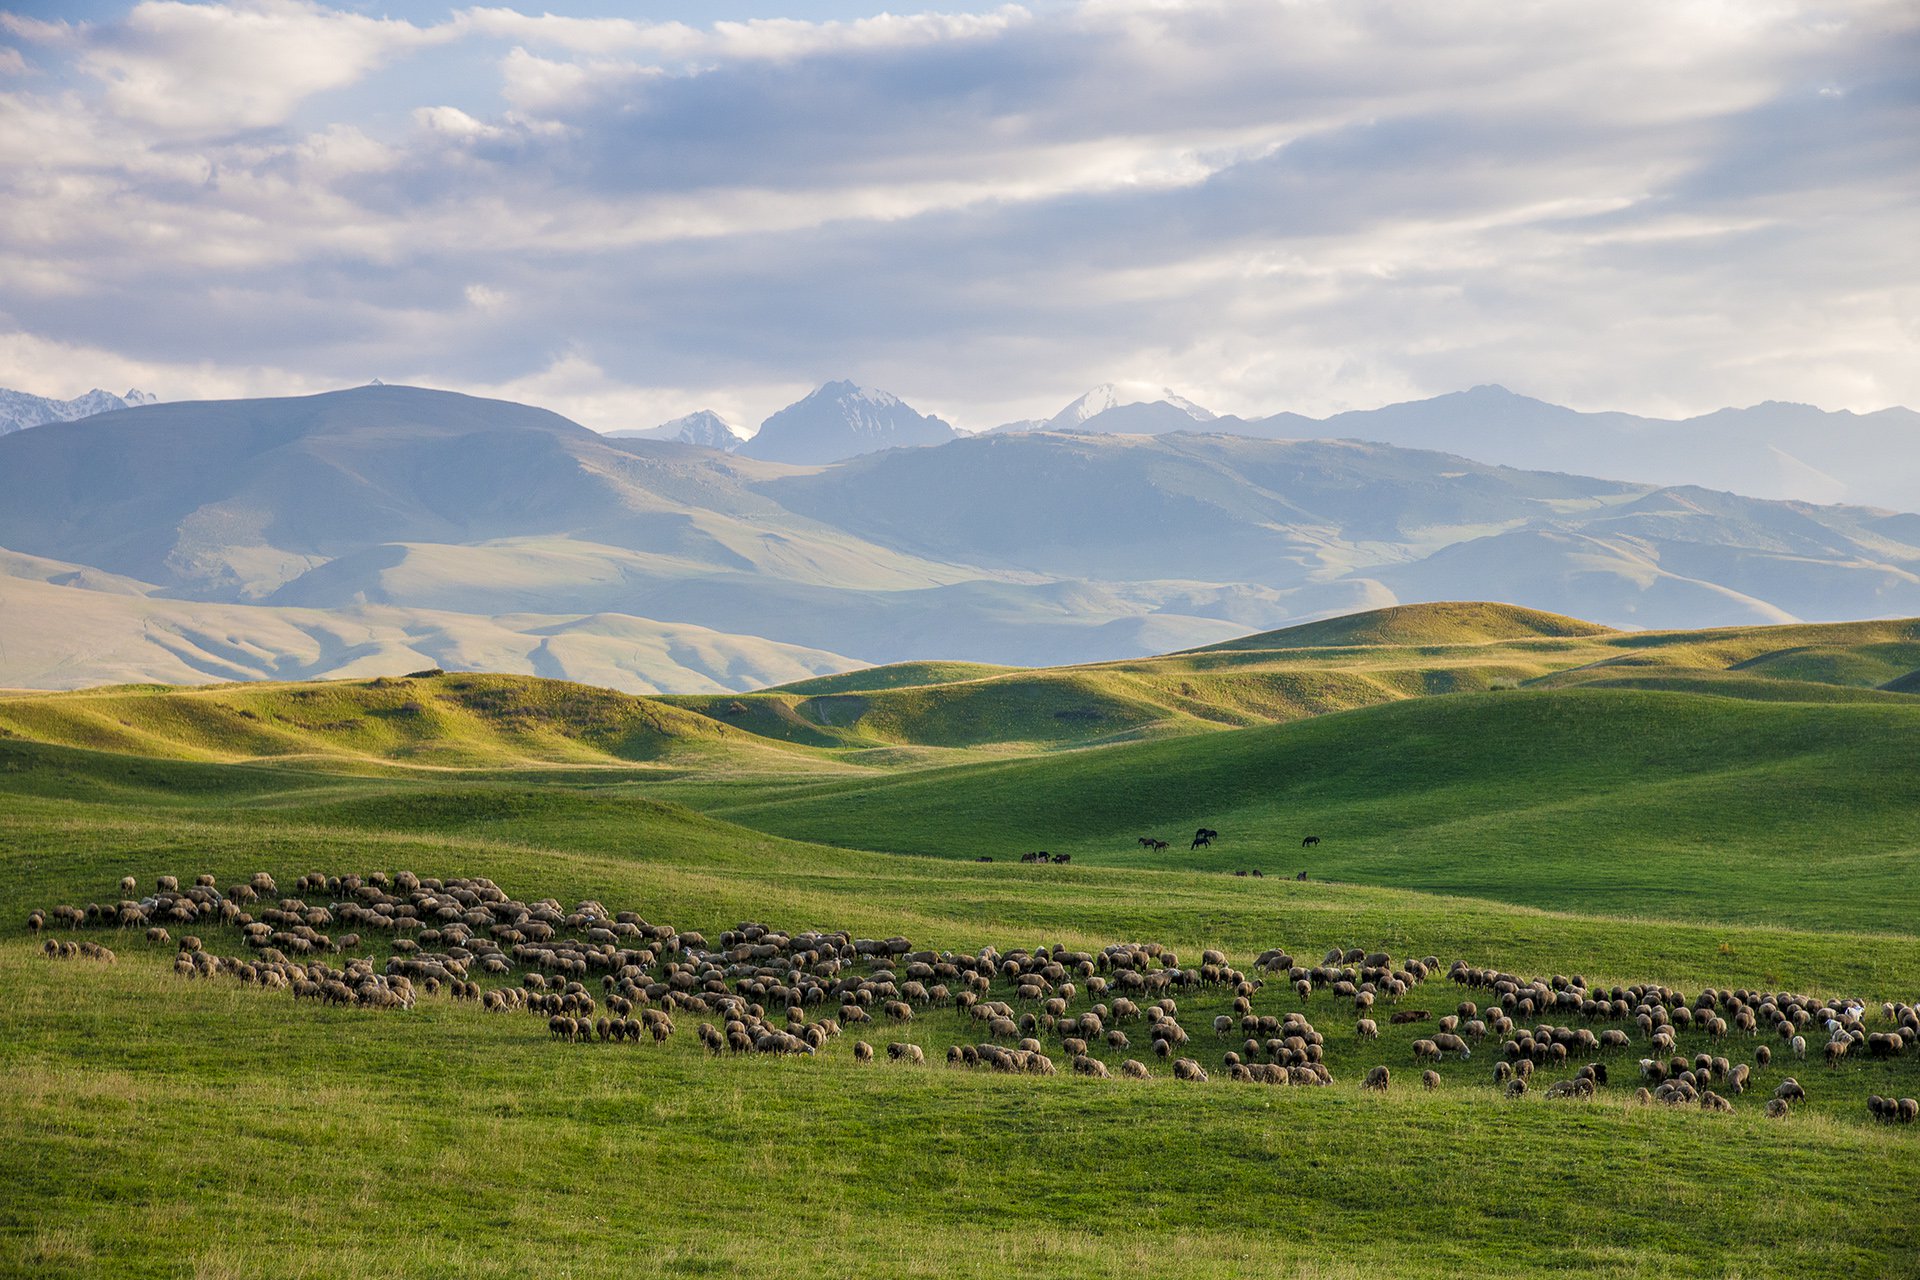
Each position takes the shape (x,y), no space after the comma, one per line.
(159,1127)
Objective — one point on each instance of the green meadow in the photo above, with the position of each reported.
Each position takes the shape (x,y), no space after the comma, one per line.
(1715,809)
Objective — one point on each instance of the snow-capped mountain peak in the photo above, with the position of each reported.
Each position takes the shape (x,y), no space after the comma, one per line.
(842,419)
(20,409)
(703,427)
(1114,395)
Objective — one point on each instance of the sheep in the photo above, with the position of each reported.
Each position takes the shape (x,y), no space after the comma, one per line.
(1377,1080)
(1909,1110)
(1367,1029)
(1777,1108)
(1090,1067)
(1799,1046)
(1134,1069)
(1188,1069)
(1762,1055)
(1789,1090)
(900,1051)
(1516,1088)
(1430,1079)
(128,886)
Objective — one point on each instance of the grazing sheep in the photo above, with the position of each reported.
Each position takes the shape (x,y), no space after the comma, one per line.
(1431,1079)
(1778,1107)
(1134,1069)
(1799,1046)
(1516,1088)
(1789,1090)
(1763,1055)
(1377,1079)
(899,1051)
(1367,1029)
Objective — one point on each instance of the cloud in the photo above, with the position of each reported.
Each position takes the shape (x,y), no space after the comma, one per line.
(197,69)
(1308,205)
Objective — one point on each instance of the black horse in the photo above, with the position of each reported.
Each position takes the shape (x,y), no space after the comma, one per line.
(1148,842)
(1310,842)
(1062,857)
(1204,838)
(1301,876)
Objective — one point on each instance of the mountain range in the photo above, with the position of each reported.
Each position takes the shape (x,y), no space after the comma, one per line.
(387,526)
(19,409)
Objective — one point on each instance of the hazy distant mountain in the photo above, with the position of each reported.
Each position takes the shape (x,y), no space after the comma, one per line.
(1769,450)
(1129,408)
(68,637)
(19,410)
(842,420)
(705,428)
(507,531)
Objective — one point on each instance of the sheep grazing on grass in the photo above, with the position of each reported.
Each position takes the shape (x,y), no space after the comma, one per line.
(1377,1080)
(1367,1029)
(1577,1087)
(1134,1069)
(1430,1079)
(1789,1090)
(1516,1088)
(899,1051)
(1778,1107)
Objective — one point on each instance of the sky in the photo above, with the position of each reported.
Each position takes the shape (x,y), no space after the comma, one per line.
(1314,205)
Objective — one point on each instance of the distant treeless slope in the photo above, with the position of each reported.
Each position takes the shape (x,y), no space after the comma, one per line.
(64,637)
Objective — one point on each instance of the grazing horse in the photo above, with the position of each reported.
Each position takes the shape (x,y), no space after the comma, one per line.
(1301,876)
(1204,838)
(1062,857)
(1257,874)
(1034,857)
(1310,842)
(1149,842)
(983,858)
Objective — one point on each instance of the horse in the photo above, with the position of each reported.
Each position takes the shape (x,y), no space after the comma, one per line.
(1204,838)
(983,858)
(1301,876)
(1310,842)
(1148,842)
(1062,857)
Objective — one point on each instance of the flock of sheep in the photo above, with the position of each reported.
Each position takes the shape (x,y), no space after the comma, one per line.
(758,990)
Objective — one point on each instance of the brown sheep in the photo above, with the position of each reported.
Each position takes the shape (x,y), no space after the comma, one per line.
(1431,1079)
(128,886)
(1188,1069)
(1377,1079)
(1134,1069)
(1367,1029)
(902,1052)
(1777,1107)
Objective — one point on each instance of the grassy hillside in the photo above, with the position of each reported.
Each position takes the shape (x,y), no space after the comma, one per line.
(1459,622)
(473,1143)
(461,720)
(161,1126)
(1623,802)
(1342,664)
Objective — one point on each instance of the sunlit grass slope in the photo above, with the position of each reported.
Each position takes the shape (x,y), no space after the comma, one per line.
(1341,664)
(1672,805)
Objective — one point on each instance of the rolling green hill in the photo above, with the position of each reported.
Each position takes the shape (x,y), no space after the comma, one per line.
(1759,841)
(1362,660)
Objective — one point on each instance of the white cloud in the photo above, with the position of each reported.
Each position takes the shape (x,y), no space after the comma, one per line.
(1308,205)
(221,68)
